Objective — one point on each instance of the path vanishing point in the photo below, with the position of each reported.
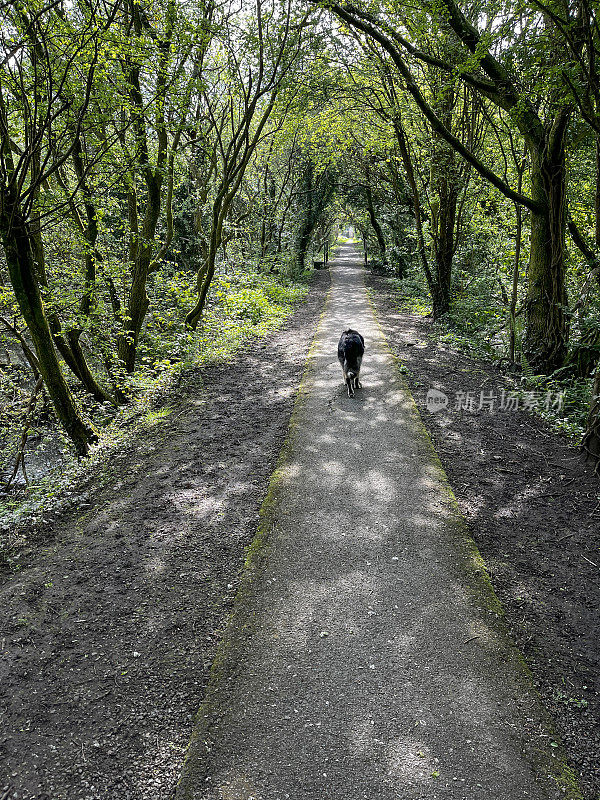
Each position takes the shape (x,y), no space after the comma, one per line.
(366,656)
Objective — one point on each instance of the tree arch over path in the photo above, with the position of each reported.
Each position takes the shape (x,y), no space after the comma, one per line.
(164,137)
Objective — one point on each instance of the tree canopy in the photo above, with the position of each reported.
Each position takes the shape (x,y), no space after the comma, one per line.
(147,149)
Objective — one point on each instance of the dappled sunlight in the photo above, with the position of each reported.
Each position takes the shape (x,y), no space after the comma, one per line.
(238,786)
(200,507)
(141,576)
(333,468)
(316,604)
(409,759)
(373,657)
(376,487)
(155,565)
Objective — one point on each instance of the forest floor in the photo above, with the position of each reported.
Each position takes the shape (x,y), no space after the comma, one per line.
(109,629)
(533,506)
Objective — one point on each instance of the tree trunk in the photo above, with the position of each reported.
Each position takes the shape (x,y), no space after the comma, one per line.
(307,222)
(591,440)
(83,371)
(546,333)
(444,245)
(137,306)
(302,243)
(414,189)
(137,301)
(443,207)
(19,256)
(205,279)
(207,271)
(69,347)
(376,226)
(597,194)
(316,195)
(88,300)
(516,266)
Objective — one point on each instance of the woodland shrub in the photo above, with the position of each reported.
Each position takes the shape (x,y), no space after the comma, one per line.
(243,306)
(476,326)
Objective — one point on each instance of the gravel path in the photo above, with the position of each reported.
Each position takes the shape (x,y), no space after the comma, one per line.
(531,502)
(366,656)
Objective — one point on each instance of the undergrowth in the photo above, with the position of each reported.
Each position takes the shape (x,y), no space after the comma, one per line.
(477,327)
(244,306)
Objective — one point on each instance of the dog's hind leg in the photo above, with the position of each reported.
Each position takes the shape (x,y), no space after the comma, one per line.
(347,381)
(351,382)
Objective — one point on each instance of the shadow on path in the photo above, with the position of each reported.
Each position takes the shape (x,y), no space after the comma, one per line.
(367,659)
(109,629)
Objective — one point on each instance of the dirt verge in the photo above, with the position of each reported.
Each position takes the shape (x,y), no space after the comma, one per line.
(532,504)
(109,631)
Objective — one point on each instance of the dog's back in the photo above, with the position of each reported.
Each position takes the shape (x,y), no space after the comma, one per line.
(351,348)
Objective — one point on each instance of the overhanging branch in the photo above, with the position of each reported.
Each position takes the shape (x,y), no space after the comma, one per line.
(435,122)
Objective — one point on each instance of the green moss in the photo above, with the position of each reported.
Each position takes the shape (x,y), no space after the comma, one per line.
(567,781)
(152,417)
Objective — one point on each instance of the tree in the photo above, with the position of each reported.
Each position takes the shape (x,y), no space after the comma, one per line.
(253,64)
(36,140)
(314,193)
(156,130)
(547,330)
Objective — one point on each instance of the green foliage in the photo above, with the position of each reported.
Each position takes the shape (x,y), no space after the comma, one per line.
(157,188)
(254,298)
(245,306)
(476,325)
(411,293)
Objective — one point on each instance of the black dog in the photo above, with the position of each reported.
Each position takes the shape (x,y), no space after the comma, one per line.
(350,352)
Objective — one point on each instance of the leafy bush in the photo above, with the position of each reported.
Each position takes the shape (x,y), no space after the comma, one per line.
(249,304)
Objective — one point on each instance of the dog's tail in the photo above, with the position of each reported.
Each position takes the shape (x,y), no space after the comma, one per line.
(351,373)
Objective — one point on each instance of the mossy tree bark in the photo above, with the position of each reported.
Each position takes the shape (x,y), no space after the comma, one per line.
(546,332)
(373,216)
(512,342)
(16,239)
(443,186)
(68,344)
(21,181)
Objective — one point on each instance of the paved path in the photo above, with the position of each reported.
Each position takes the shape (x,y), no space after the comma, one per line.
(366,658)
